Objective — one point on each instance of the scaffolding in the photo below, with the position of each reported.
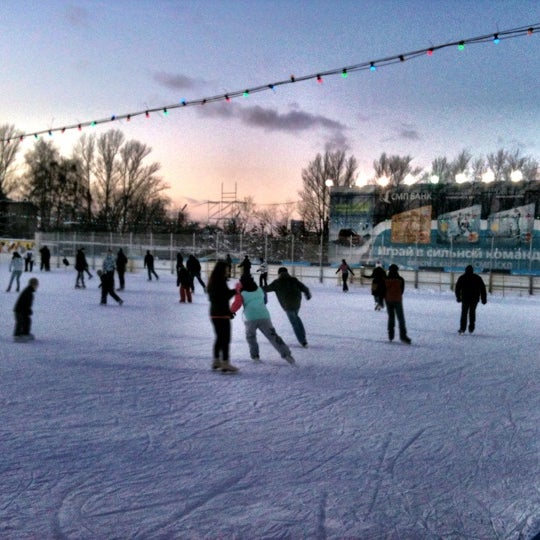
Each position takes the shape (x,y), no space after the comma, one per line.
(224,209)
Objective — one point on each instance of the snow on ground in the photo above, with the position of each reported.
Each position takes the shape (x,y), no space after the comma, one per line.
(114,426)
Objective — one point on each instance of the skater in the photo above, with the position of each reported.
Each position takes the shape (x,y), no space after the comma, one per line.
(289,291)
(345,270)
(109,266)
(29,260)
(263,273)
(194,268)
(257,317)
(221,315)
(16,266)
(185,282)
(23,312)
(179,261)
(394,285)
(121,264)
(45,262)
(149,265)
(81,266)
(245,265)
(377,285)
(107,288)
(470,289)
(228,260)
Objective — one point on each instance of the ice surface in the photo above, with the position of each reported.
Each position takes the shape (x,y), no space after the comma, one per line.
(114,426)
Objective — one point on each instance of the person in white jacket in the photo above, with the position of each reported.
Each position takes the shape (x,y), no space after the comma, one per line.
(257,317)
(16,267)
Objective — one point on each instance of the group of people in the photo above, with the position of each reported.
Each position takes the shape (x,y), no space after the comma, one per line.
(252,298)
(387,289)
(470,290)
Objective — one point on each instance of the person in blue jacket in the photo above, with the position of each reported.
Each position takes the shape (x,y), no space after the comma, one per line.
(257,317)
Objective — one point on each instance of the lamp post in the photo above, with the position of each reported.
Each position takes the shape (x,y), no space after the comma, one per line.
(328,183)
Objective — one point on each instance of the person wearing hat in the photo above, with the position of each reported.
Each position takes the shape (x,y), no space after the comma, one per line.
(257,317)
(289,291)
(394,285)
(470,289)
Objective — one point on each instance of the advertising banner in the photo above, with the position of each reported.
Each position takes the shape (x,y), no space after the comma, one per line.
(512,227)
(460,226)
(412,226)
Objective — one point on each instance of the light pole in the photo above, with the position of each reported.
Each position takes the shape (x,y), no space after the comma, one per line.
(328,183)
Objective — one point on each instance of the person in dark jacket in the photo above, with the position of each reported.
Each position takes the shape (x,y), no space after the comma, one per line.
(107,288)
(345,269)
(194,268)
(81,266)
(245,265)
(121,264)
(394,286)
(23,312)
(470,289)
(149,265)
(185,282)
(289,291)
(377,285)
(45,263)
(221,315)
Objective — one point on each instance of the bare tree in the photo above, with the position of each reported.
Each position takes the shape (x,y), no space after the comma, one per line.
(107,176)
(84,152)
(315,196)
(138,186)
(395,168)
(9,147)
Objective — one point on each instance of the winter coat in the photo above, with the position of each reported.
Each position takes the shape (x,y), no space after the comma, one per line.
(219,295)
(193,265)
(245,265)
(108,263)
(80,261)
(377,285)
(16,264)
(23,305)
(121,261)
(149,261)
(183,278)
(470,287)
(394,285)
(345,269)
(289,291)
(254,302)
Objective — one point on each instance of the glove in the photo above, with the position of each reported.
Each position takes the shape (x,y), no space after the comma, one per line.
(238,287)
(233,315)
(308,296)
(458,300)
(484,302)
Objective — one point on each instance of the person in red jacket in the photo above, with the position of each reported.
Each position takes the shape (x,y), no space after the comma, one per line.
(470,289)
(394,285)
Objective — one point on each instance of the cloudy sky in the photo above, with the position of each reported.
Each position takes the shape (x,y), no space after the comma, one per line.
(68,62)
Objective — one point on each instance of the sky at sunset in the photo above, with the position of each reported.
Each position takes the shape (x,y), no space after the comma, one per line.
(67,62)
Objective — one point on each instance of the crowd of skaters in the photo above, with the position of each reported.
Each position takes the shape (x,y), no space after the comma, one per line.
(387,290)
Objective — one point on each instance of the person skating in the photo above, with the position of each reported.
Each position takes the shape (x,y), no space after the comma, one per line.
(221,315)
(377,285)
(45,259)
(245,265)
(121,264)
(29,260)
(289,291)
(107,288)
(185,282)
(345,270)
(470,289)
(149,265)
(194,268)
(257,317)
(16,266)
(81,266)
(263,273)
(23,312)
(394,286)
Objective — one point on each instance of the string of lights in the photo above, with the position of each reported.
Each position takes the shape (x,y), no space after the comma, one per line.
(371,65)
